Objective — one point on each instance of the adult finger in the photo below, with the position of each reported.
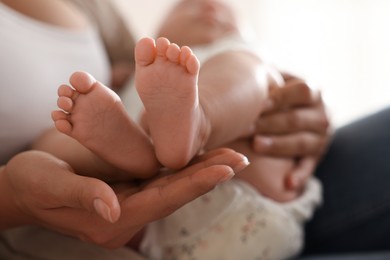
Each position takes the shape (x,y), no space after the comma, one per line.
(291,145)
(297,178)
(222,156)
(212,153)
(300,119)
(157,202)
(125,189)
(67,189)
(295,92)
(87,193)
(46,182)
(288,76)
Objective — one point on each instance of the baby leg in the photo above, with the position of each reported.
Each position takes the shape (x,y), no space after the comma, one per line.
(166,80)
(95,116)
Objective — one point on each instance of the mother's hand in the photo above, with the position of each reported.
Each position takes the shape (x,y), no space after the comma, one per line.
(296,125)
(39,189)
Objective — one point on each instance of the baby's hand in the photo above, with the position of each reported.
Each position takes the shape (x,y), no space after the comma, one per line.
(270,176)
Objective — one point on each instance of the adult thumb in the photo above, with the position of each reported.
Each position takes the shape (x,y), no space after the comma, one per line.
(88,193)
(46,182)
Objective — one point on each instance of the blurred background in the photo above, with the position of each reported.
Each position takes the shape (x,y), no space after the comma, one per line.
(341,46)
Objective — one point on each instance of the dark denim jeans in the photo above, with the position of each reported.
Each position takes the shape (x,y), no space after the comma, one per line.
(351,256)
(355,174)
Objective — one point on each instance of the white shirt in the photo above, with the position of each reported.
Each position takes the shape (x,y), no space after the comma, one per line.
(35,59)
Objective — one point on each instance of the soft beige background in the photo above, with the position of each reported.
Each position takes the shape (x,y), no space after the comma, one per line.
(343,46)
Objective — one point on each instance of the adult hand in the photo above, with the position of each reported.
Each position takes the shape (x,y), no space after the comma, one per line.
(295,124)
(40,189)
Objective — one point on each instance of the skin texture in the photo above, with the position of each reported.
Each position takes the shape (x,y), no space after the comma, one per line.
(278,167)
(295,121)
(75,201)
(38,188)
(95,116)
(68,199)
(193,22)
(235,78)
(295,124)
(166,80)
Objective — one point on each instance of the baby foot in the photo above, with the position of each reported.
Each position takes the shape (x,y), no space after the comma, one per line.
(95,116)
(166,81)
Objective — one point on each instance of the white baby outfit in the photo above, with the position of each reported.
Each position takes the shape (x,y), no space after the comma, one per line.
(233,222)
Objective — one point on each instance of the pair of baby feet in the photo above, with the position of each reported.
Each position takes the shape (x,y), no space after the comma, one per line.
(166,81)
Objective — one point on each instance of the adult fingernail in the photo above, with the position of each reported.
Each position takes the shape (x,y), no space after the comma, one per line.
(262,143)
(226,177)
(103,210)
(242,164)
